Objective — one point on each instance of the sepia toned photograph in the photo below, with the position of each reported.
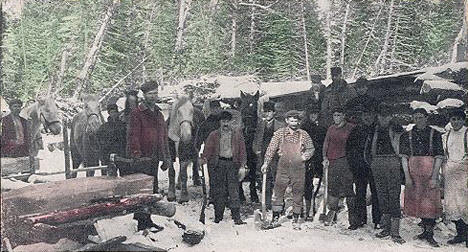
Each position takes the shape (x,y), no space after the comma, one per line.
(234,125)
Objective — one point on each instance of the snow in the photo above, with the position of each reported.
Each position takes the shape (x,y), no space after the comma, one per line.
(226,236)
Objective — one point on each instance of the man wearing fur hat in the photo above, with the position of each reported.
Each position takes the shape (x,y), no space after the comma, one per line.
(294,147)
(15,133)
(264,132)
(456,176)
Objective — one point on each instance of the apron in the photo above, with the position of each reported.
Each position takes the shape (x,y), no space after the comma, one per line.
(456,189)
(421,201)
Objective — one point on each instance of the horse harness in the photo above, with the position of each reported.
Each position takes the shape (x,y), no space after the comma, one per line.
(46,123)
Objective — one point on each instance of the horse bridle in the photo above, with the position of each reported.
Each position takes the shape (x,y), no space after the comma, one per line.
(46,123)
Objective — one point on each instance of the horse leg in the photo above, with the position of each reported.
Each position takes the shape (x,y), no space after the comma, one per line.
(171,196)
(195,176)
(184,196)
(76,161)
(252,164)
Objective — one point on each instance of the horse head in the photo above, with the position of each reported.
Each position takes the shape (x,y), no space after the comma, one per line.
(248,109)
(93,113)
(48,114)
(181,120)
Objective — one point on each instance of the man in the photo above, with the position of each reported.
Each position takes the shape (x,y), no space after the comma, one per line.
(225,154)
(112,138)
(336,95)
(147,137)
(340,177)
(360,168)
(456,176)
(422,155)
(210,124)
(381,152)
(315,91)
(362,100)
(264,132)
(314,166)
(15,132)
(294,147)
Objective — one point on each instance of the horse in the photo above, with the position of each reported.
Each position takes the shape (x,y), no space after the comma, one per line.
(43,111)
(84,145)
(183,123)
(248,109)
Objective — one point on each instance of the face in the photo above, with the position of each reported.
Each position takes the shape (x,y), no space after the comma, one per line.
(151,96)
(338,118)
(367,118)
(420,119)
(225,124)
(132,101)
(384,120)
(15,109)
(313,116)
(292,122)
(336,76)
(361,90)
(269,115)
(457,122)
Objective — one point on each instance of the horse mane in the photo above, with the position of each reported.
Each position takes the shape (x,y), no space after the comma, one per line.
(181,100)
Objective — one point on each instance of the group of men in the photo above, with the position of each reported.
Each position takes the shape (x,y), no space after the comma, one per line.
(345,135)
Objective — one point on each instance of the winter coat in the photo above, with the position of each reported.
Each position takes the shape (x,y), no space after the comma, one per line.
(211,150)
(10,148)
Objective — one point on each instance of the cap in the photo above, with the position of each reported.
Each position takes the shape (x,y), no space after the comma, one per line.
(420,110)
(132,92)
(112,106)
(315,78)
(225,115)
(460,113)
(294,114)
(15,101)
(269,106)
(338,109)
(313,108)
(149,86)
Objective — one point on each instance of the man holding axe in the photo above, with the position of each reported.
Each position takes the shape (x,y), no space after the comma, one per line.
(294,147)
(147,138)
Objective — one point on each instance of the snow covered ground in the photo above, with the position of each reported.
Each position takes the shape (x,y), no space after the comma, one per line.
(225,236)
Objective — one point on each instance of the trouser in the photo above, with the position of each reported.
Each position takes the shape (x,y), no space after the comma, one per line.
(309,184)
(270,183)
(386,174)
(333,205)
(285,176)
(225,184)
(361,204)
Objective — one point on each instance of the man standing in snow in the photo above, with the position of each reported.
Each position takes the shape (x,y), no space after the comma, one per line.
(294,147)
(422,154)
(225,154)
(456,176)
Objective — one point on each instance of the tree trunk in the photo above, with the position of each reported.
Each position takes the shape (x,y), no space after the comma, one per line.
(252,27)
(367,41)
(461,42)
(395,39)
(234,29)
(213,4)
(146,40)
(329,45)
(90,60)
(343,35)
(304,36)
(63,66)
(184,9)
(379,65)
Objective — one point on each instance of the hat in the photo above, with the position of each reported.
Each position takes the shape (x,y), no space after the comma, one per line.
(315,78)
(112,106)
(149,86)
(132,92)
(457,113)
(269,106)
(294,114)
(338,109)
(225,115)
(215,103)
(385,109)
(335,70)
(421,111)
(362,82)
(15,101)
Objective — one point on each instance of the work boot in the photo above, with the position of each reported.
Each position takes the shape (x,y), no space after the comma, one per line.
(184,196)
(461,233)
(295,222)
(307,211)
(430,236)
(331,215)
(275,218)
(395,231)
(386,225)
(235,212)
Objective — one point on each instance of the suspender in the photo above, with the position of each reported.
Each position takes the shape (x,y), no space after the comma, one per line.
(430,142)
(465,142)
(394,143)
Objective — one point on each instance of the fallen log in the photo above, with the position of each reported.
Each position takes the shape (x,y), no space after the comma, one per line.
(112,207)
(104,246)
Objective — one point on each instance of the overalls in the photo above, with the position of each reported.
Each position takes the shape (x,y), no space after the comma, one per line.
(291,170)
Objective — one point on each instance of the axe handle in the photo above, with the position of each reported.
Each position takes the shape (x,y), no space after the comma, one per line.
(264,195)
(325,193)
(114,158)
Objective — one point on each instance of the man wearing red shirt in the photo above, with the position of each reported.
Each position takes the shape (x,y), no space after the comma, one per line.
(15,134)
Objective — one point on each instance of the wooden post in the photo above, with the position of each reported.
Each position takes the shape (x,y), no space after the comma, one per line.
(66,148)
(32,164)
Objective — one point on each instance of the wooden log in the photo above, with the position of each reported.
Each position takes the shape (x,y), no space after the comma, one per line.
(104,246)
(107,207)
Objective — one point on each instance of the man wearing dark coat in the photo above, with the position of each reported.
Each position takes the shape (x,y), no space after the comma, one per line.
(360,168)
(112,137)
(314,167)
(263,134)
(147,137)
(225,154)
(362,100)
(16,137)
